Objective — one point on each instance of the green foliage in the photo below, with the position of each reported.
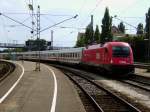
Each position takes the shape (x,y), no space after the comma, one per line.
(138,38)
(106,34)
(80,42)
(121,27)
(89,34)
(97,35)
(140,29)
(126,39)
(90,37)
(131,39)
(14,50)
(35,45)
(8,57)
(147,26)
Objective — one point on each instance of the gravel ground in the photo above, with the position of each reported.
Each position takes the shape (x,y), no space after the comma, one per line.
(142,72)
(135,94)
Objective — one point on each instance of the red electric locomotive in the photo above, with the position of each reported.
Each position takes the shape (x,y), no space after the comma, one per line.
(114,57)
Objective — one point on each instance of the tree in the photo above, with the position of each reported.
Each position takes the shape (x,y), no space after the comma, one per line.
(147,27)
(80,42)
(106,34)
(121,27)
(89,33)
(35,45)
(97,35)
(140,29)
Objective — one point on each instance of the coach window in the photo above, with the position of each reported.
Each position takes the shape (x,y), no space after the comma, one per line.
(74,55)
(71,55)
(78,55)
(65,55)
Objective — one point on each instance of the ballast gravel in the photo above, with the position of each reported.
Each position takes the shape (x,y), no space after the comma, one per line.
(138,96)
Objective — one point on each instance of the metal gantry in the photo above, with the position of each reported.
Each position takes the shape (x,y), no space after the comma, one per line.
(149,42)
(38,38)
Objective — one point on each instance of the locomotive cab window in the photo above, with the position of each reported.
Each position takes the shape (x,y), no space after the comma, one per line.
(120,51)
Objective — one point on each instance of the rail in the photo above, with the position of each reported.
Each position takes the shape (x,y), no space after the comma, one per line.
(102,100)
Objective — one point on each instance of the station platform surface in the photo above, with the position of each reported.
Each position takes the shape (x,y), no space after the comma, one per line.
(48,90)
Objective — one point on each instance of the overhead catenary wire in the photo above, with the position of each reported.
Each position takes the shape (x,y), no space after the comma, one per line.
(97,4)
(131,6)
(124,22)
(58,23)
(48,19)
(69,27)
(25,20)
(14,25)
(133,17)
(4,29)
(44,14)
(15,21)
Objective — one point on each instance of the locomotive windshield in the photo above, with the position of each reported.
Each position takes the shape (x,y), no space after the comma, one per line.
(120,51)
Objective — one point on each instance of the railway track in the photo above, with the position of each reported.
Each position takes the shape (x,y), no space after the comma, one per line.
(101,98)
(6,69)
(139,81)
(142,65)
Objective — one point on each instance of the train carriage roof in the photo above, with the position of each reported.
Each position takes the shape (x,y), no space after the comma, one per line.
(71,50)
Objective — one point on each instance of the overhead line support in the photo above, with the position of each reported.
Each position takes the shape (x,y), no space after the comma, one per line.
(16,21)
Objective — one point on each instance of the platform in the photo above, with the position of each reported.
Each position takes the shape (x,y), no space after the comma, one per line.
(46,91)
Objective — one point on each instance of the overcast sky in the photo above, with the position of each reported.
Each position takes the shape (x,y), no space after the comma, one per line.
(130,11)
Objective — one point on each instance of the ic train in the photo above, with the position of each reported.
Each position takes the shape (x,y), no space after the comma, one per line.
(113,57)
